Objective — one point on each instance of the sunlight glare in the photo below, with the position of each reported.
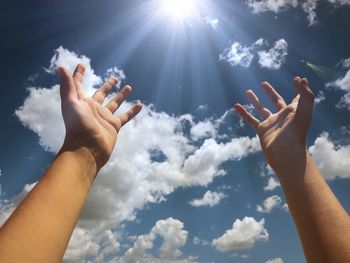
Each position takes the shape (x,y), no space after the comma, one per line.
(178,10)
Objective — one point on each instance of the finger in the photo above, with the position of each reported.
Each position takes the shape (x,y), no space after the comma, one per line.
(305,90)
(297,81)
(130,114)
(101,94)
(260,108)
(305,104)
(67,87)
(274,96)
(78,77)
(115,102)
(250,119)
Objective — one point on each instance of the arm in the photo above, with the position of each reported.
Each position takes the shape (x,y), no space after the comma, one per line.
(322,223)
(40,228)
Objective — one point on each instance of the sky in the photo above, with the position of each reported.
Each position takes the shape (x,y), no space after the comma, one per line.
(187,181)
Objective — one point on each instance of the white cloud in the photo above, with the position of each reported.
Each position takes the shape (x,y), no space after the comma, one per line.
(346,63)
(213,22)
(243,234)
(332,160)
(134,176)
(320,97)
(272,184)
(69,59)
(269,204)
(271,5)
(276,6)
(285,207)
(343,83)
(203,129)
(276,260)
(238,54)
(174,237)
(275,57)
(209,199)
(309,8)
(260,42)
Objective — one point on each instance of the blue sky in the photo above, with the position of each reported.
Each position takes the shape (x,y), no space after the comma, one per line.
(187,181)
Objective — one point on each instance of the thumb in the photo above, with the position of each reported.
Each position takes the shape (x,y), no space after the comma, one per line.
(67,88)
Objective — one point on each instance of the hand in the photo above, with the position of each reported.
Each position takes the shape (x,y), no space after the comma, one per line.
(282,134)
(89,125)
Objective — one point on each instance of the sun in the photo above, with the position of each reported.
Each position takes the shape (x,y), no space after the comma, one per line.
(177,10)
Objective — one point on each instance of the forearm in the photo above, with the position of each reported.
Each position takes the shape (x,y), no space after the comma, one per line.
(40,228)
(322,223)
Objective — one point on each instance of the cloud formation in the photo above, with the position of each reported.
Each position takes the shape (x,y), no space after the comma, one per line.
(332,160)
(241,55)
(238,54)
(173,236)
(269,204)
(209,199)
(272,184)
(243,235)
(308,6)
(274,57)
(343,83)
(147,165)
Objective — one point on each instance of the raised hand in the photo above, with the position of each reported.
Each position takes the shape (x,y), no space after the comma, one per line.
(282,134)
(90,125)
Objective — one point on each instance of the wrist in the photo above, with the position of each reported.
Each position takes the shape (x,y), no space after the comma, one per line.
(83,158)
(285,160)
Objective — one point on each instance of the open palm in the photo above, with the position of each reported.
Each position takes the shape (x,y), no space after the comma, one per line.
(286,129)
(88,123)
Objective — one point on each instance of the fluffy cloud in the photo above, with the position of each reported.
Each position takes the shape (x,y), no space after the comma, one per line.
(276,260)
(343,83)
(243,234)
(275,57)
(69,59)
(332,160)
(213,22)
(174,237)
(209,199)
(271,5)
(269,204)
(239,54)
(147,165)
(276,6)
(272,184)
(203,129)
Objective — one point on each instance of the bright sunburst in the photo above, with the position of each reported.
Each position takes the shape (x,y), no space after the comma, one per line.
(178,11)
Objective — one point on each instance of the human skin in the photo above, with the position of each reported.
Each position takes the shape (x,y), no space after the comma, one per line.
(322,223)
(40,228)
